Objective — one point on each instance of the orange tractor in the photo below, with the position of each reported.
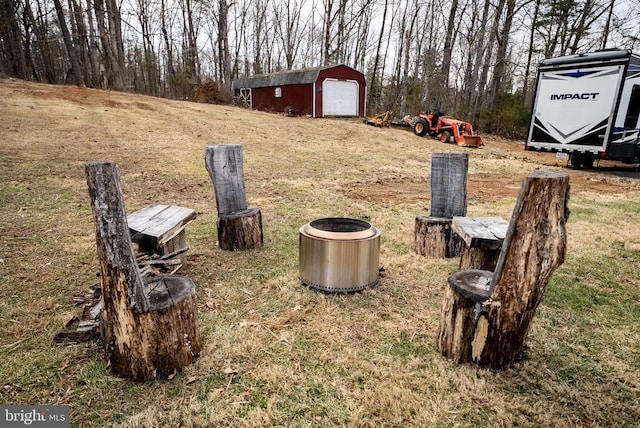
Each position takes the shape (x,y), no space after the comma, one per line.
(446,128)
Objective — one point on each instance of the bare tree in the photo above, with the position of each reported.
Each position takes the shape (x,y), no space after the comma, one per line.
(501,56)
(288,20)
(224,56)
(109,25)
(12,55)
(171,71)
(446,54)
(71,50)
(260,26)
(374,91)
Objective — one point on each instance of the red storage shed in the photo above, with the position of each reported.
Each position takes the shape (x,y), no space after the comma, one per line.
(329,91)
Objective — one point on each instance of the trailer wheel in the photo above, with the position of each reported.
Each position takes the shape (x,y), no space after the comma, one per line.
(420,127)
(581,161)
(587,162)
(576,161)
(445,137)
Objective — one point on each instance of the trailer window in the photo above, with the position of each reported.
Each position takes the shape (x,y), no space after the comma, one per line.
(631,121)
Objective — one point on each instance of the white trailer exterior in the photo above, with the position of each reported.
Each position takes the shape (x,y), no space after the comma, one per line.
(587,106)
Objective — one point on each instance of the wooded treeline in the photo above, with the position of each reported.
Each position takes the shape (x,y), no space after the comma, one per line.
(472,58)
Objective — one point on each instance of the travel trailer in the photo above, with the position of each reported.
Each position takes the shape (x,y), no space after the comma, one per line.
(586,107)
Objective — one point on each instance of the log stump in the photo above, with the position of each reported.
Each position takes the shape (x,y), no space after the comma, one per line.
(434,238)
(150,329)
(486,316)
(240,230)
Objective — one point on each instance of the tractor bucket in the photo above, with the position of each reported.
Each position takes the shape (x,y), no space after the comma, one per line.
(470,141)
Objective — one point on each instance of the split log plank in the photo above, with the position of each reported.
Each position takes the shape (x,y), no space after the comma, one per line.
(225,166)
(160,229)
(449,184)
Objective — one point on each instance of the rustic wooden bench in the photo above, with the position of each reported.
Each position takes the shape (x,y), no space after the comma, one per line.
(483,238)
(159,229)
(486,315)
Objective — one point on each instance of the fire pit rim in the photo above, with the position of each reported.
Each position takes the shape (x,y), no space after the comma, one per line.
(364,229)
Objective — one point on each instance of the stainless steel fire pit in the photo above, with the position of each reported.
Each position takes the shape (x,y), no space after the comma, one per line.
(339,254)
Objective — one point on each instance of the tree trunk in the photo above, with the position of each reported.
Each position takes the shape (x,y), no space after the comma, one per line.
(12,54)
(488,57)
(82,45)
(117,45)
(224,56)
(501,57)
(171,71)
(150,330)
(479,258)
(71,50)
(446,56)
(374,99)
(527,71)
(605,32)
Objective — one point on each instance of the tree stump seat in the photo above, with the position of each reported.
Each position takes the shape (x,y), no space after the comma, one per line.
(433,236)
(160,229)
(485,316)
(239,226)
(482,237)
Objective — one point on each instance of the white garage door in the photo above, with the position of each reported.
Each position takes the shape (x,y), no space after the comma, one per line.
(339,98)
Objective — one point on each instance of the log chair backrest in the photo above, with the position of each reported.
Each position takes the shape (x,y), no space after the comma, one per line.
(118,264)
(536,240)
(224,163)
(449,184)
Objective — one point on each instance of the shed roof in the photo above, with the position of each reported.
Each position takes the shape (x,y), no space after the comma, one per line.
(290,77)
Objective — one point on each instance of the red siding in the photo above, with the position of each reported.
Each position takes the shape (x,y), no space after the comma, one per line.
(341,72)
(295,97)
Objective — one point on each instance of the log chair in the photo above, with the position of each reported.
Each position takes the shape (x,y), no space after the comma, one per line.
(239,227)
(433,236)
(149,327)
(486,315)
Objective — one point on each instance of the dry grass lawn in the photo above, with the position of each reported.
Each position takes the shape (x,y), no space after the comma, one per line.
(275,352)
